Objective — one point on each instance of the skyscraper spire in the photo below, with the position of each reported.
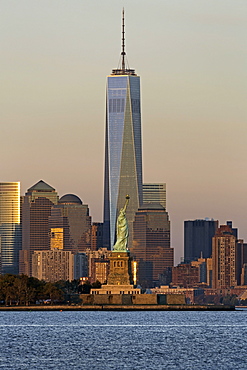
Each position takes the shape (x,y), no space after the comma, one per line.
(122,70)
(123,45)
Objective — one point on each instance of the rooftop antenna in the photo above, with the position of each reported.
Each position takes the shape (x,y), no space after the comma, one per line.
(122,70)
(123,45)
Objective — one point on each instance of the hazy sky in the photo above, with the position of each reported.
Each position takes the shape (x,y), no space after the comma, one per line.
(191,56)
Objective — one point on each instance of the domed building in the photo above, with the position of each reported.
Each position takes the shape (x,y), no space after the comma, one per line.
(69,199)
(70,224)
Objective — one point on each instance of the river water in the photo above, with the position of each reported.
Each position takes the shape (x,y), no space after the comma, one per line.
(123,340)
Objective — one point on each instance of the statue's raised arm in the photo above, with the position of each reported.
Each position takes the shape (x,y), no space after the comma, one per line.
(122,229)
(126,204)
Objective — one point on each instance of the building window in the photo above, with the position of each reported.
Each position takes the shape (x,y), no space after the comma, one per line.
(116,105)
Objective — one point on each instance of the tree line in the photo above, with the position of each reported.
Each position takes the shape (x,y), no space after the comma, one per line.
(24,290)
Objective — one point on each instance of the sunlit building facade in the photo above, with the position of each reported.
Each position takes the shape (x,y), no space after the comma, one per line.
(224,258)
(100,256)
(123,148)
(56,238)
(100,269)
(10,227)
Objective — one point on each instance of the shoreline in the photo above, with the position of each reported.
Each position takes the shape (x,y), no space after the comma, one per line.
(120,308)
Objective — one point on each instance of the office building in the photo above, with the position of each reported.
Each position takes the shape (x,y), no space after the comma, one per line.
(70,224)
(244,274)
(151,243)
(123,147)
(100,270)
(96,236)
(241,256)
(94,259)
(80,266)
(198,238)
(194,274)
(224,258)
(154,193)
(205,268)
(10,227)
(185,275)
(36,209)
(53,265)
(234,229)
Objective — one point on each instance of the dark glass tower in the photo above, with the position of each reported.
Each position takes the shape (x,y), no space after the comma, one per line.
(123,147)
(151,244)
(198,236)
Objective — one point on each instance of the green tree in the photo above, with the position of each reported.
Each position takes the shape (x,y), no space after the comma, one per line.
(97,284)
(86,287)
(68,287)
(19,289)
(7,288)
(53,293)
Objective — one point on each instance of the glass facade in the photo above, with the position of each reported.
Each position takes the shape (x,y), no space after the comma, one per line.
(151,246)
(154,193)
(56,238)
(10,228)
(198,236)
(123,151)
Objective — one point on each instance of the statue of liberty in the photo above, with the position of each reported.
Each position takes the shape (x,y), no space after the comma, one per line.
(122,229)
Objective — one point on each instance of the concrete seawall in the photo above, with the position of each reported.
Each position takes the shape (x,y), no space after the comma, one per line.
(121,308)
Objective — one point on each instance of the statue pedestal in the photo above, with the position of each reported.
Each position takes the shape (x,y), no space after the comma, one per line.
(120,277)
(120,269)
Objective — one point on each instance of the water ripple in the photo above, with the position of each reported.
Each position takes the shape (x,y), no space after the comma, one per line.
(123,340)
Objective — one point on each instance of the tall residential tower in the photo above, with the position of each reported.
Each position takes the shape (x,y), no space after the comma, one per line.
(224,258)
(123,147)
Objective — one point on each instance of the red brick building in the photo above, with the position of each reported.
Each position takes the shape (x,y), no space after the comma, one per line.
(185,275)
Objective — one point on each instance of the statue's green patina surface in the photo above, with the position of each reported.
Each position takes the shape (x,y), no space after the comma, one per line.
(122,229)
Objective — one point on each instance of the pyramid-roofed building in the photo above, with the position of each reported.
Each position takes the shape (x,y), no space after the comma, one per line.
(41,186)
(36,209)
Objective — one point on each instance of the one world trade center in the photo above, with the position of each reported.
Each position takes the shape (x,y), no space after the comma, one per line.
(123,147)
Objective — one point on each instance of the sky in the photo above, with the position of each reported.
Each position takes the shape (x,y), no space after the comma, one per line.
(191,56)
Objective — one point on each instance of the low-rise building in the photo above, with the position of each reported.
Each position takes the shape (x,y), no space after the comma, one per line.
(185,275)
(189,293)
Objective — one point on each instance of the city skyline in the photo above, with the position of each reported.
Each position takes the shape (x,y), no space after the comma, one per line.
(192,63)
